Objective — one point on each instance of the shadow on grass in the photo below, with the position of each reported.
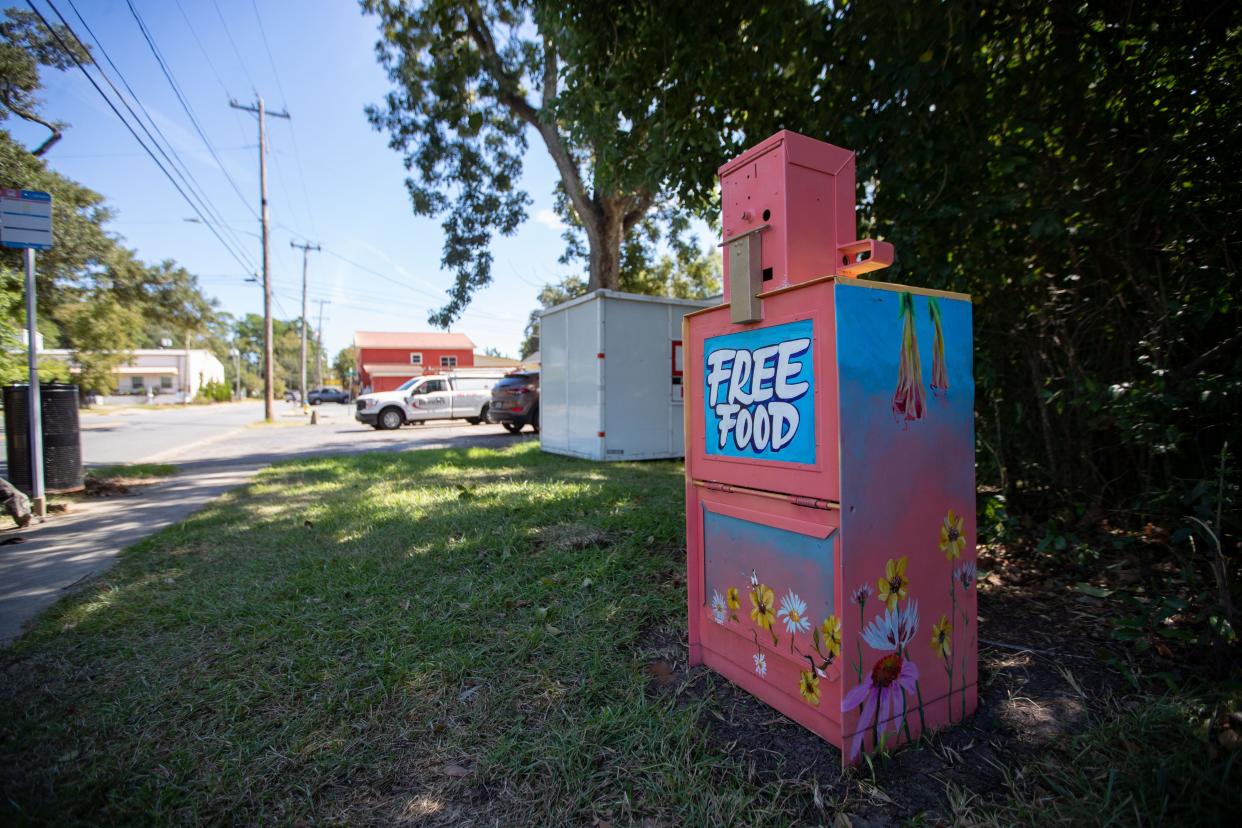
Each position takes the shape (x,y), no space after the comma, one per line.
(450,636)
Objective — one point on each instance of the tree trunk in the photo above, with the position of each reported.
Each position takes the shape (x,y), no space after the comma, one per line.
(604,236)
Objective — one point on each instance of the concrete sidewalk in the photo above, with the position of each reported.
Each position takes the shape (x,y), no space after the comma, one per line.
(72,548)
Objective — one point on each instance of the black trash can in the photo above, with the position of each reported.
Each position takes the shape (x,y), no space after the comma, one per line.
(62,437)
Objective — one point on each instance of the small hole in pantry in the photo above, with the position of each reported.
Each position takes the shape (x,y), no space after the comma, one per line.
(767,274)
(767,214)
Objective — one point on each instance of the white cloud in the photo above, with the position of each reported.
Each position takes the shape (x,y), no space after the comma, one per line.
(548,218)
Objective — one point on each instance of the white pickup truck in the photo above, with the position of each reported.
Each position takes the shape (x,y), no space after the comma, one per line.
(432,397)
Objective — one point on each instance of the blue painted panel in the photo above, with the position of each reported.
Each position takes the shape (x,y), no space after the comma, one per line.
(759,386)
(787,562)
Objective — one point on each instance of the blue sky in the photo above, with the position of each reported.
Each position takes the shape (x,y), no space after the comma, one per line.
(331,177)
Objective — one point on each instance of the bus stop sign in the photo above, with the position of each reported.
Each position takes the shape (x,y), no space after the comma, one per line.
(25,219)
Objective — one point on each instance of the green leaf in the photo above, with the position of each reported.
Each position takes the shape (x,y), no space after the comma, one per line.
(1093,591)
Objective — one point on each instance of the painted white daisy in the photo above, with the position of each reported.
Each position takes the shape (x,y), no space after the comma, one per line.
(893,630)
(793,613)
(761,665)
(720,610)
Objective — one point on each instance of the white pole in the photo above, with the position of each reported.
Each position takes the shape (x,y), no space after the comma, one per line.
(37,502)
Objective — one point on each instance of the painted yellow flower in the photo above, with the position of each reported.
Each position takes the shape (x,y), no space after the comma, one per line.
(892,587)
(732,598)
(942,636)
(762,599)
(809,687)
(831,630)
(951,538)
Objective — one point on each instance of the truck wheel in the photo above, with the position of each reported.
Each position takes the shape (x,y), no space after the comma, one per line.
(512,428)
(534,419)
(482,418)
(390,418)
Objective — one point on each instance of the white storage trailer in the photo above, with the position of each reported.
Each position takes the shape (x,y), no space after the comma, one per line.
(610,376)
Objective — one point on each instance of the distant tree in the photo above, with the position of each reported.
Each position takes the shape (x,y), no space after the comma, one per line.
(345,362)
(614,92)
(173,305)
(96,297)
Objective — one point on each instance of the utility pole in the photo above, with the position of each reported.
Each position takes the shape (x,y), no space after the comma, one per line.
(319,342)
(267,278)
(306,249)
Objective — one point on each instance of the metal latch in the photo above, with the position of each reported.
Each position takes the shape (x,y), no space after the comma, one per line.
(745,252)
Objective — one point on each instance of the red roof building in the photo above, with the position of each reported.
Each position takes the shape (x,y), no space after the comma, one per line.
(385,360)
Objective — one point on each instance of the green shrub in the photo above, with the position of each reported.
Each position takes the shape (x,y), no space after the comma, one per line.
(215,391)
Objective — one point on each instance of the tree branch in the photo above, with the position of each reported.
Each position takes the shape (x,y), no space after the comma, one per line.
(509,91)
(51,126)
(639,205)
(510,94)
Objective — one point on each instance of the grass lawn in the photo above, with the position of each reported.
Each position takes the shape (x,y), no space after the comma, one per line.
(132,471)
(473,636)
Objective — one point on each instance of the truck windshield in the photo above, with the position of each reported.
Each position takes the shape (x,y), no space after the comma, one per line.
(405,386)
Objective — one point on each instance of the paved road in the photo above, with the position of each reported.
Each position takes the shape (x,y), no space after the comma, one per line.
(70,549)
(135,435)
(132,435)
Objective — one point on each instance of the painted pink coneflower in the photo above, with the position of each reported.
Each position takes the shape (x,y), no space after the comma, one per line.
(908,401)
(881,695)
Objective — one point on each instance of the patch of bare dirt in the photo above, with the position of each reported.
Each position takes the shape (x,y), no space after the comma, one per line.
(1041,674)
(566,537)
(105,487)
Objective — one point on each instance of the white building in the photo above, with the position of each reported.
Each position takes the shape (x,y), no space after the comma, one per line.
(167,374)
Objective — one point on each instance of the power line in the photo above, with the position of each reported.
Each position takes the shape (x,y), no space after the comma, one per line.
(203,49)
(240,61)
(64,46)
(183,171)
(383,276)
(207,57)
(185,104)
(293,134)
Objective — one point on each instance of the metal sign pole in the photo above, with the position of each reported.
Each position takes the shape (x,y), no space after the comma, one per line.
(37,502)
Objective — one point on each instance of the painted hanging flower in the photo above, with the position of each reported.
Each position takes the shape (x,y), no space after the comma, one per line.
(942,637)
(893,584)
(733,599)
(831,630)
(808,686)
(952,540)
(762,599)
(793,613)
(908,401)
(940,372)
(761,665)
(880,695)
(966,574)
(720,612)
(860,595)
(894,630)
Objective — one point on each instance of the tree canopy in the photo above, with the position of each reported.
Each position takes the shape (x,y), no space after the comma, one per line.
(1071,166)
(96,297)
(615,94)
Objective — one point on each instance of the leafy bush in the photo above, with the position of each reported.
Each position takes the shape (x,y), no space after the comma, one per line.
(215,391)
